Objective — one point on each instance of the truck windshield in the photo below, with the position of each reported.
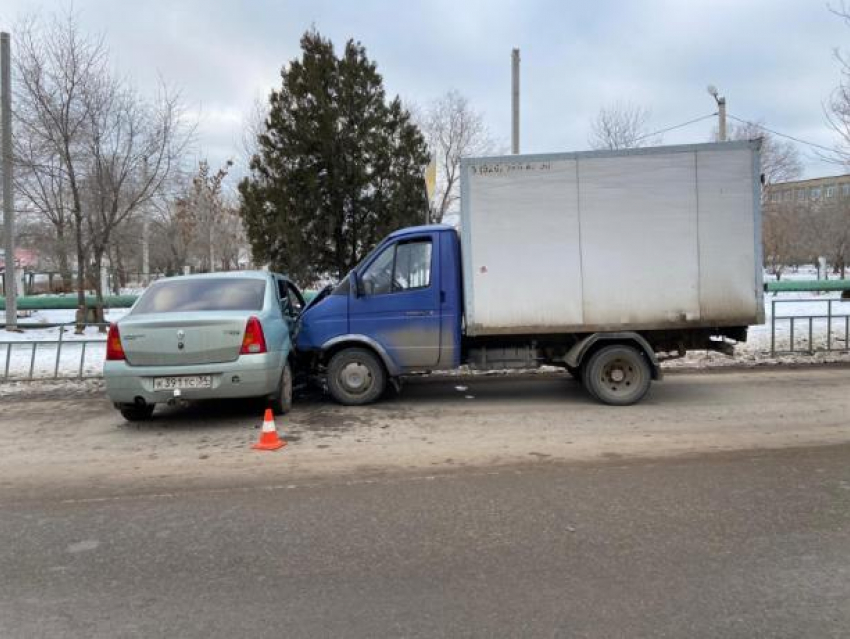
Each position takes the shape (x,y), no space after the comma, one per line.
(203,294)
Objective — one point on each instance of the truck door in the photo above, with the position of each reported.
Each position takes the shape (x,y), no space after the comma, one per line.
(398,304)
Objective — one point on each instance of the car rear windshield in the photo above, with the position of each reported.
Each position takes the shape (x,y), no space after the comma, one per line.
(203,294)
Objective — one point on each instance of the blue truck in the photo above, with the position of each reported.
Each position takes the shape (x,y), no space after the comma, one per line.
(601,263)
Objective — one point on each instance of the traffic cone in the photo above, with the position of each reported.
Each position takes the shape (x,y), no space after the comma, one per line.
(268,437)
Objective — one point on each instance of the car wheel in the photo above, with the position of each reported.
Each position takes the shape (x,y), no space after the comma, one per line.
(356,377)
(618,375)
(282,401)
(133,413)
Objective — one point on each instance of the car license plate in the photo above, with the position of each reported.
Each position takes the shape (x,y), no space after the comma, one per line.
(185,381)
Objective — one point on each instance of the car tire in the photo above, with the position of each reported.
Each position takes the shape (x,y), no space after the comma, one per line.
(282,401)
(617,375)
(133,413)
(356,377)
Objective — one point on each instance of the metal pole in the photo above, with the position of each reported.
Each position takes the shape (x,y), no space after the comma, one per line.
(145,232)
(11,289)
(515,101)
(146,265)
(721,115)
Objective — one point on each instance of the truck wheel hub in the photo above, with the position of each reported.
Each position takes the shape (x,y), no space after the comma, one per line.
(617,375)
(355,377)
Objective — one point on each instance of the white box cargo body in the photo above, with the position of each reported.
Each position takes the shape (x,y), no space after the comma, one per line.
(639,239)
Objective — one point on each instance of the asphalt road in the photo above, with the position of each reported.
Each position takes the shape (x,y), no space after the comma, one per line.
(77,444)
(464,507)
(726,545)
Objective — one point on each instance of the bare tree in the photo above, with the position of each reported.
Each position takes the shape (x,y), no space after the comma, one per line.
(173,231)
(453,129)
(782,236)
(834,232)
(93,149)
(42,190)
(253,126)
(55,69)
(837,106)
(205,204)
(621,125)
(134,145)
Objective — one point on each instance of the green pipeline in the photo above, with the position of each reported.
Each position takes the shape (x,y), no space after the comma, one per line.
(791,286)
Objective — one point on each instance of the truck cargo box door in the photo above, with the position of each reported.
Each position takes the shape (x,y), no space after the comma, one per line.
(400,302)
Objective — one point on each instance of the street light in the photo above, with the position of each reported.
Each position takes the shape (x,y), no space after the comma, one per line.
(721,111)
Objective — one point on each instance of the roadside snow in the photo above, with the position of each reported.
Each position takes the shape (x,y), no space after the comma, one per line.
(36,349)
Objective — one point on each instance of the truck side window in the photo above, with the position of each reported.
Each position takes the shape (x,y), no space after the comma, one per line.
(401,267)
(412,266)
(379,276)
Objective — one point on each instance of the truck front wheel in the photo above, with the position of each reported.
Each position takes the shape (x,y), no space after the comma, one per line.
(356,377)
(617,375)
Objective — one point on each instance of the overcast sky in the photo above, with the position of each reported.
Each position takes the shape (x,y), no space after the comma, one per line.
(773,59)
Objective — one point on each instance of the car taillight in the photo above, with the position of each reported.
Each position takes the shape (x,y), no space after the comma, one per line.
(254,341)
(114,349)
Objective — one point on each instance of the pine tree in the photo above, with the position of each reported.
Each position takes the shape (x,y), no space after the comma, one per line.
(337,168)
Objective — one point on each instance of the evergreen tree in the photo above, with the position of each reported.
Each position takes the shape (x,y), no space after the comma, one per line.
(337,168)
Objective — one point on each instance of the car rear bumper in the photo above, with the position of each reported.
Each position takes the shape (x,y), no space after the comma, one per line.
(248,376)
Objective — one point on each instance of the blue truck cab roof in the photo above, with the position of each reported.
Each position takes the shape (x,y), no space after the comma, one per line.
(425,228)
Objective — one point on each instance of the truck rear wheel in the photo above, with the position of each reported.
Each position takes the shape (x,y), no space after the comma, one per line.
(356,377)
(617,375)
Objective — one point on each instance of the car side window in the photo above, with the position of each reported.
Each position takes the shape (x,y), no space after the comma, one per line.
(283,297)
(294,301)
(404,266)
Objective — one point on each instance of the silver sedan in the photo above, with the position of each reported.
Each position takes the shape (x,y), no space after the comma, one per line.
(217,335)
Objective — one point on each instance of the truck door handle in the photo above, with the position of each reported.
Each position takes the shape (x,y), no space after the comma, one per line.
(442,297)
(418,313)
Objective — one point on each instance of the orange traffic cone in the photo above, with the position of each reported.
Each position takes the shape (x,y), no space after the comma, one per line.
(268,437)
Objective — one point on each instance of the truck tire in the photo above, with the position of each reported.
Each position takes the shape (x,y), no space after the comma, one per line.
(282,401)
(356,377)
(617,375)
(133,413)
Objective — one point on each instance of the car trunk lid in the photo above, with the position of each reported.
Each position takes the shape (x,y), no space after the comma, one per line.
(191,338)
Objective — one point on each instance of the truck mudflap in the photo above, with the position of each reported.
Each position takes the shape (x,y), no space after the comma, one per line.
(575,355)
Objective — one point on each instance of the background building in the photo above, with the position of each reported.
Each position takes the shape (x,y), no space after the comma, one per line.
(812,190)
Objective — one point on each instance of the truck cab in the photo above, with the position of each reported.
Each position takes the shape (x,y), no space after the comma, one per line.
(399,311)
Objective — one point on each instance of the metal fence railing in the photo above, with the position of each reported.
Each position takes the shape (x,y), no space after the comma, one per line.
(827,330)
(79,357)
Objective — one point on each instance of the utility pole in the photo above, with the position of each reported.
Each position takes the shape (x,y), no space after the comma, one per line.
(146,265)
(721,112)
(11,284)
(515,101)
(146,262)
